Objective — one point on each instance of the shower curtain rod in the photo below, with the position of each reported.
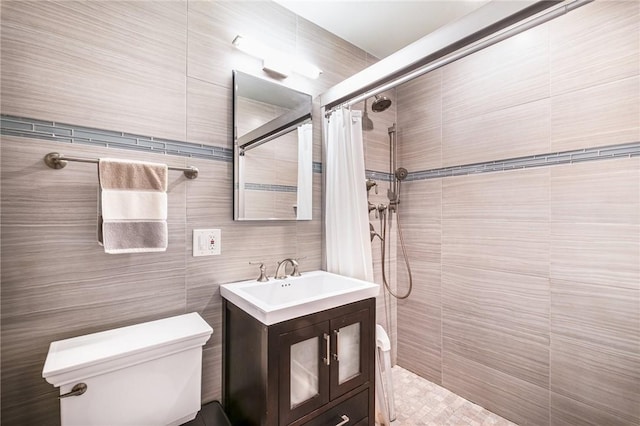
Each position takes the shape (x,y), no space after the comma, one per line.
(519,28)
(58,161)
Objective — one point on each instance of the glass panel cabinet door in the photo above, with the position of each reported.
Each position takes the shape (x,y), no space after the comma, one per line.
(348,349)
(350,343)
(304,371)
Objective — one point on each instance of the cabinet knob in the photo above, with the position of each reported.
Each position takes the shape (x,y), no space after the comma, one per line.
(344,421)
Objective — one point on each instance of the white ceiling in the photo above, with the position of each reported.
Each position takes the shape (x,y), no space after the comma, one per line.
(381,27)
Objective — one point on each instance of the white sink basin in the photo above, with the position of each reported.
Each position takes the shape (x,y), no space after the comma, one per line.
(280,300)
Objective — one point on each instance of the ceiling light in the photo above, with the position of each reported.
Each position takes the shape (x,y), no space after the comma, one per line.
(277,65)
(275,61)
(249,46)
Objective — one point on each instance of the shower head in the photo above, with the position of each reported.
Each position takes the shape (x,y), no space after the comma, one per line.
(380,104)
(401,173)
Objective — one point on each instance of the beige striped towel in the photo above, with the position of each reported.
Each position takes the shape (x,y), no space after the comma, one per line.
(132,206)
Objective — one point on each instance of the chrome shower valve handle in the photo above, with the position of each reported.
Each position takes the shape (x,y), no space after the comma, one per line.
(372,184)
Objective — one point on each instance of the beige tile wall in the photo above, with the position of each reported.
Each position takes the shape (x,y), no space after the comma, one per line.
(595,287)
(513,72)
(160,69)
(419,348)
(99,66)
(530,306)
(422,120)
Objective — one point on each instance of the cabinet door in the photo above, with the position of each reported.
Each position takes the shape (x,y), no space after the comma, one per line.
(350,343)
(304,371)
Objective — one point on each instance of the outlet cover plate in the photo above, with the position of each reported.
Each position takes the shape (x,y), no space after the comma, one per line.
(206,242)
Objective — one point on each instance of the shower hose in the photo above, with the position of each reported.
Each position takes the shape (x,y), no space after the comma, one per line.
(402,245)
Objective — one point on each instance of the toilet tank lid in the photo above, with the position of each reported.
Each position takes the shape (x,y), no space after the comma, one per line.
(107,347)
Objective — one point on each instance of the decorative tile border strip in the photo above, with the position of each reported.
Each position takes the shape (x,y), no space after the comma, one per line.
(70,133)
(269,187)
(631,149)
(580,155)
(383,176)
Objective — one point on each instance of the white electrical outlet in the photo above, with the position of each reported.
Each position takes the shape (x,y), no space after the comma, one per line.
(206,242)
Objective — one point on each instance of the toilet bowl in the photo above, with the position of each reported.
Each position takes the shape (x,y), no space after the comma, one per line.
(144,374)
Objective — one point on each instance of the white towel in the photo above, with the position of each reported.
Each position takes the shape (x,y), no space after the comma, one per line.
(132,205)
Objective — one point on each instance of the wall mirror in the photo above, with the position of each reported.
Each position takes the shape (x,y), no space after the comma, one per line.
(272,150)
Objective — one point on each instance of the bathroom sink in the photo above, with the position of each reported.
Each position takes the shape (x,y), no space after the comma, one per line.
(280,300)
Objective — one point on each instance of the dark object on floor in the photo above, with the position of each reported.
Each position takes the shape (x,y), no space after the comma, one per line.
(210,414)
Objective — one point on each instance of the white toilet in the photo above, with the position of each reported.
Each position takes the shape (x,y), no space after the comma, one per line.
(144,374)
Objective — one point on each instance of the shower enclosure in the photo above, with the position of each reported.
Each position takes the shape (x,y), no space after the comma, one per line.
(520,216)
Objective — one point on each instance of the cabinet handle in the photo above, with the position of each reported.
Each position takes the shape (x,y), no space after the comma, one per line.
(335,354)
(327,342)
(344,421)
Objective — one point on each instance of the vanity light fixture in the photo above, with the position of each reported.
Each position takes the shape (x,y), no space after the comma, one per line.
(275,61)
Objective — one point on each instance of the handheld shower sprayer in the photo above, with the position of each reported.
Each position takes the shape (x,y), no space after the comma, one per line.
(397,174)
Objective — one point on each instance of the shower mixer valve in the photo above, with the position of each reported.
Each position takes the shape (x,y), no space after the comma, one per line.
(370,184)
(373,207)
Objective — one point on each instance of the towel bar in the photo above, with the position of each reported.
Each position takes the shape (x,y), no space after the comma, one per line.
(56,160)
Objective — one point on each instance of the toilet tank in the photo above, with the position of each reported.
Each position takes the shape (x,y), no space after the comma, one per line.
(144,374)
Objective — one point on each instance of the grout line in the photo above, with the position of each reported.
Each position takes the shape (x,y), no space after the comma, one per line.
(441,228)
(549,32)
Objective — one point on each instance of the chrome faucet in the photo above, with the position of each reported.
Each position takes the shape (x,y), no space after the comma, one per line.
(281,270)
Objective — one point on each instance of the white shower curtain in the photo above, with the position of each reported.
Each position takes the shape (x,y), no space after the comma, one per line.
(347,239)
(305,172)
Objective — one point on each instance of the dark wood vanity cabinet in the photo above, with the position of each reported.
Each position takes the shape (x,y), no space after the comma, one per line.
(313,370)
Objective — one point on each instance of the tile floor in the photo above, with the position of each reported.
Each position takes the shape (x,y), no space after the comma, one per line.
(420,402)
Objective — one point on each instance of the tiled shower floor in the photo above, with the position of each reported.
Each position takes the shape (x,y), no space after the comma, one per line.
(420,402)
